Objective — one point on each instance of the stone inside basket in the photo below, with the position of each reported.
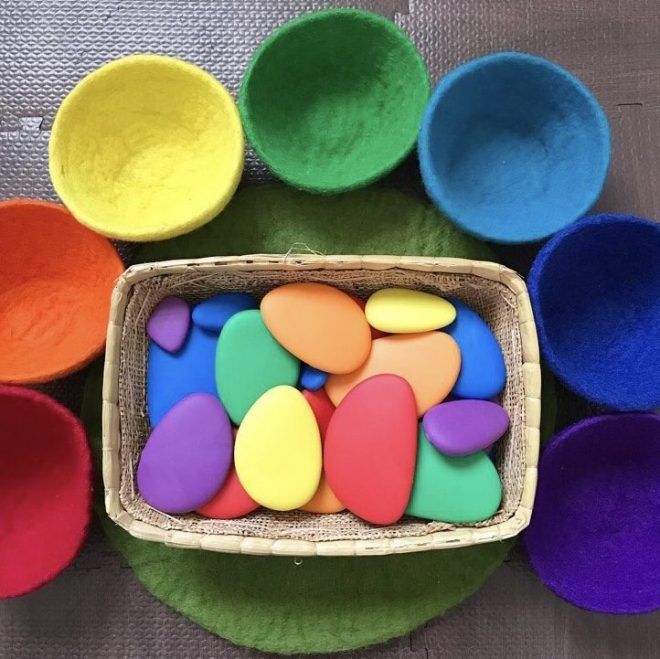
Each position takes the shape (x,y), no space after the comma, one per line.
(495,292)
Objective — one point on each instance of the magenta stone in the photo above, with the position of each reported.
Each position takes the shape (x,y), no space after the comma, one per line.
(461,427)
(169,322)
(187,456)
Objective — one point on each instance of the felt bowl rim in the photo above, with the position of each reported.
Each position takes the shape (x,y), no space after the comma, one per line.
(388,28)
(79,435)
(434,185)
(91,354)
(535,284)
(77,95)
(555,444)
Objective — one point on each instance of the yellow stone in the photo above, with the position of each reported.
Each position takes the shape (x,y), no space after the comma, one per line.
(278,453)
(403,311)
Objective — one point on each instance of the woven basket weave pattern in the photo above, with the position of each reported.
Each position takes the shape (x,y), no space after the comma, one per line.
(497,301)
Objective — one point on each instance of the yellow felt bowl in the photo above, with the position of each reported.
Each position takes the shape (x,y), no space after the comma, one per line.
(146,147)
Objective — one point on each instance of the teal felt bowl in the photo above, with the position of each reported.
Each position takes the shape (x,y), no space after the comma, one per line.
(513,147)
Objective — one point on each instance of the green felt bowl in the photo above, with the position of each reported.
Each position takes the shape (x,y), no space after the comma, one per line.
(333,100)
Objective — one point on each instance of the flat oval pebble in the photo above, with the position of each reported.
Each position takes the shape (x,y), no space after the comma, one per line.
(429,361)
(278,450)
(169,322)
(453,489)
(319,324)
(375,333)
(249,362)
(173,376)
(404,311)
(370,449)
(483,371)
(312,378)
(187,456)
(213,313)
(231,500)
(324,500)
(461,427)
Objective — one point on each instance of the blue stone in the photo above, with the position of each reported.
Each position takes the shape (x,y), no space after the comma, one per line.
(212,314)
(312,378)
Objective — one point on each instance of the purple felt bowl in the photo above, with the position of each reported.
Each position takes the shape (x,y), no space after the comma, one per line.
(594,538)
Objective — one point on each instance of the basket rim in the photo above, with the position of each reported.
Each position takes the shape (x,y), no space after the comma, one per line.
(254,545)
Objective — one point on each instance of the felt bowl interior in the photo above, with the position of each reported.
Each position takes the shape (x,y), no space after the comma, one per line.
(146,147)
(513,147)
(594,289)
(333,100)
(45,489)
(56,278)
(595,532)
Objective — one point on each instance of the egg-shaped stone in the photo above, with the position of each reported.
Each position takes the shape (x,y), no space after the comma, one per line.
(187,456)
(370,447)
(169,322)
(461,427)
(173,376)
(324,500)
(406,311)
(429,361)
(319,324)
(249,361)
(278,452)
(453,489)
(483,371)
(213,313)
(311,378)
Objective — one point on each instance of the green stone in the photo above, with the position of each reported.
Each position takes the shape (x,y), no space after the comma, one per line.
(453,489)
(249,362)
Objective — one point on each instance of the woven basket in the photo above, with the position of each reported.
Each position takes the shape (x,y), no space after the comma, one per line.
(494,291)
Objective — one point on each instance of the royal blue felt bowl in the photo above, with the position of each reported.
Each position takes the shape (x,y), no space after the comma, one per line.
(595,531)
(595,290)
(513,148)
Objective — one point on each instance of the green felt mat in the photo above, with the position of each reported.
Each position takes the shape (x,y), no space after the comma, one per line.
(321,604)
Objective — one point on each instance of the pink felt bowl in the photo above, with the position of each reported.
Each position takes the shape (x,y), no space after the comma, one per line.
(45,489)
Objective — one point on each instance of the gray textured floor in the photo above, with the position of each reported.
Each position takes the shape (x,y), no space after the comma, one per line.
(97,608)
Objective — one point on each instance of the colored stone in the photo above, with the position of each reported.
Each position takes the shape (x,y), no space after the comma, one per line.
(325,500)
(461,427)
(311,378)
(483,372)
(405,311)
(187,456)
(453,489)
(375,334)
(429,361)
(231,501)
(249,362)
(213,313)
(169,322)
(319,324)
(370,448)
(278,450)
(173,376)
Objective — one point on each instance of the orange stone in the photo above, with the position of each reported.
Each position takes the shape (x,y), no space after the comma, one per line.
(324,501)
(429,361)
(319,324)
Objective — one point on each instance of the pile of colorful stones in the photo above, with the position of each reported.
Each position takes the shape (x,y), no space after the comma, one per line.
(314,399)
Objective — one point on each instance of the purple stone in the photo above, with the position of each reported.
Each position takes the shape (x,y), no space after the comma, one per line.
(461,427)
(187,456)
(169,322)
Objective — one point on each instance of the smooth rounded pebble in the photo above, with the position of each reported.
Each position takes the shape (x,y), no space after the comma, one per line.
(249,362)
(405,311)
(278,451)
(461,427)
(187,456)
(213,313)
(370,448)
(456,490)
(312,378)
(429,361)
(169,322)
(319,324)
(483,371)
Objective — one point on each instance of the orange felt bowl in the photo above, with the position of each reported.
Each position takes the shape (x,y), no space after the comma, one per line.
(56,277)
